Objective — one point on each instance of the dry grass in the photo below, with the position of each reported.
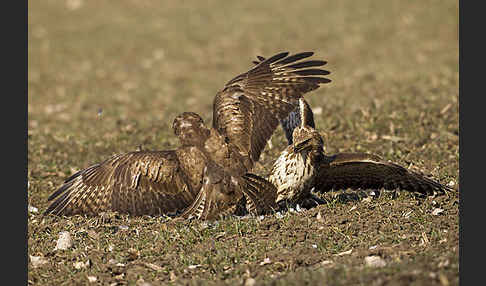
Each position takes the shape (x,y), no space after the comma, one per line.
(394,93)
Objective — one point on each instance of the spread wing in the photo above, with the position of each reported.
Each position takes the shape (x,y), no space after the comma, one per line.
(139,183)
(248,109)
(294,118)
(367,171)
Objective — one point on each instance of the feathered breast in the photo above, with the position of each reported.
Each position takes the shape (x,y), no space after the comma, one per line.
(291,174)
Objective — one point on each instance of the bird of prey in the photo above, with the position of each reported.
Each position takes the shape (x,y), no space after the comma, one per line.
(210,172)
(304,166)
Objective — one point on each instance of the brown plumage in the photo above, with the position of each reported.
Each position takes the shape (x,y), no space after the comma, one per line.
(208,175)
(303,166)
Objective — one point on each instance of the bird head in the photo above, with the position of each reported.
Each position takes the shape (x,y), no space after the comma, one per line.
(190,129)
(306,138)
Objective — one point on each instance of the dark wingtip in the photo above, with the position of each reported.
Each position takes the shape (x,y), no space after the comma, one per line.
(54,205)
(318,80)
(294,58)
(311,72)
(59,191)
(306,64)
(276,57)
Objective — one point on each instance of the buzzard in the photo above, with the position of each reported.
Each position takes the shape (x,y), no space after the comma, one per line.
(209,173)
(304,166)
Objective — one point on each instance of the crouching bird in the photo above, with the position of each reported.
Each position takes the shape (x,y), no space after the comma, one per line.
(303,166)
(209,174)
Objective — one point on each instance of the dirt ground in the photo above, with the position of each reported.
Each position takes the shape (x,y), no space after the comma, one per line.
(105,77)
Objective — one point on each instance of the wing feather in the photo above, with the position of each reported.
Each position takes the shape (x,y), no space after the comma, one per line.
(139,183)
(249,107)
(366,171)
(260,194)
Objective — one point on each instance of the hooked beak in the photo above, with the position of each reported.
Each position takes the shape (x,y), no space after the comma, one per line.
(301,146)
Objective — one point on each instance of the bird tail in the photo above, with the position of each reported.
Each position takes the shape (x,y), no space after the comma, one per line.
(260,195)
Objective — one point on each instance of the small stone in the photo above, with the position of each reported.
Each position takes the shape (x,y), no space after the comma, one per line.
(437,211)
(265,261)
(92,279)
(37,261)
(194,266)
(64,242)
(344,252)
(374,261)
(32,209)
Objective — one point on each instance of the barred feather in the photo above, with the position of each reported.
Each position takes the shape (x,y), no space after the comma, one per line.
(248,108)
(246,112)
(293,176)
(143,182)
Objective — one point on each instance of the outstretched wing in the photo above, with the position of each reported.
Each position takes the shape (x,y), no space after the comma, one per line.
(367,171)
(294,118)
(138,183)
(249,107)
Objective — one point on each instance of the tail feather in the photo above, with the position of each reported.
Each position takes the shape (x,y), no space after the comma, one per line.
(260,194)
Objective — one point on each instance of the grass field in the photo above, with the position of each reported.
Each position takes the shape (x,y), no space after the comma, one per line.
(105,77)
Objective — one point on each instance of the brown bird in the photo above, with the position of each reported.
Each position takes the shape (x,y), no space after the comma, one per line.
(209,173)
(304,166)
